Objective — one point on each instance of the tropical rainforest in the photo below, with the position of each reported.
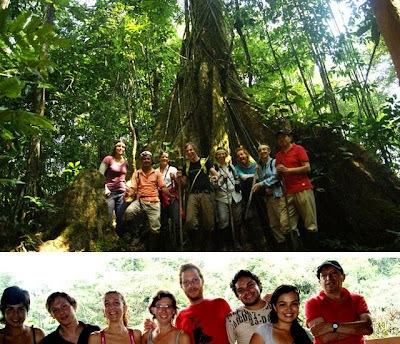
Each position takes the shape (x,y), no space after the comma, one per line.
(74,77)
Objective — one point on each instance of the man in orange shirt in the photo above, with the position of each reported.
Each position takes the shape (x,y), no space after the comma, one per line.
(146,182)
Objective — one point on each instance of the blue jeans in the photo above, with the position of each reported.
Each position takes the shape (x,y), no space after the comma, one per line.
(115,202)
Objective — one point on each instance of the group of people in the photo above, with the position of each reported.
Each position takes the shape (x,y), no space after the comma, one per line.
(335,315)
(243,193)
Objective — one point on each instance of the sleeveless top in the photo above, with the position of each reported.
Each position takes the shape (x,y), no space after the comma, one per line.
(149,339)
(33,335)
(103,336)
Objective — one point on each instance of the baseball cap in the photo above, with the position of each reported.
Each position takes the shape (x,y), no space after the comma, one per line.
(333,263)
(284,132)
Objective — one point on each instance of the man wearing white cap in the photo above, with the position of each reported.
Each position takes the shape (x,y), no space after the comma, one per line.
(146,182)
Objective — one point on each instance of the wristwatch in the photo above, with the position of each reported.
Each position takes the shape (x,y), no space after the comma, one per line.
(335,327)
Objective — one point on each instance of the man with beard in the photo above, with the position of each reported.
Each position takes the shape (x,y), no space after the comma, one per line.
(203,319)
(242,322)
(336,315)
(62,307)
(200,198)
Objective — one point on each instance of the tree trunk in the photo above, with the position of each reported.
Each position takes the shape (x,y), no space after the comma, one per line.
(209,107)
(32,187)
(387,13)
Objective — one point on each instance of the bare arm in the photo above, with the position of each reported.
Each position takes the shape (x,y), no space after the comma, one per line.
(39,334)
(256,339)
(184,338)
(94,338)
(214,174)
(137,335)
(303,169)
(323,330)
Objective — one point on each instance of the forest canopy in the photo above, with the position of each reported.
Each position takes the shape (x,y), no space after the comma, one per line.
(88,276)
(74,77)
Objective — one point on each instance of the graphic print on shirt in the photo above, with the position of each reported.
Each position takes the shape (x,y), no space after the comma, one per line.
(199,336)
(242,315)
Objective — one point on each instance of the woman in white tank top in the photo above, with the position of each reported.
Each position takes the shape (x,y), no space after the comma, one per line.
(163,308)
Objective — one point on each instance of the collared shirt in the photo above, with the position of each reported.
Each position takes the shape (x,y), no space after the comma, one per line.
(348,309)
(294,157)
(268,178)
(226,187)
(147,190)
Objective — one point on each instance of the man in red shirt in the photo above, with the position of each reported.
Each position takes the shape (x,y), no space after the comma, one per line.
(292,166)
(203,319)
(336,315)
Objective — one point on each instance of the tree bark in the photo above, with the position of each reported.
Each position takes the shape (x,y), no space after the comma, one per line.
(387,13)
(32,185)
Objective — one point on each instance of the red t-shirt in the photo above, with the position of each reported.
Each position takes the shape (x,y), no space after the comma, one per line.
(348,309)
(205,322)
(115,174)
(294,158)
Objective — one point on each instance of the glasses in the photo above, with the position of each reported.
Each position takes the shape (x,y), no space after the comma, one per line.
(166,307)
(333,274)
(194,281)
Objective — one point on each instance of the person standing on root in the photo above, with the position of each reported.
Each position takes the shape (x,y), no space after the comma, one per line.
(200,201)
(169,205)
(114,168)
(253,206)
(292,166)
(273,190)
(146,182)
(228,198)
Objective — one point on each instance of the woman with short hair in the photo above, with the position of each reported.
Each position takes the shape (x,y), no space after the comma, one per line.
(163,308)
(15,303)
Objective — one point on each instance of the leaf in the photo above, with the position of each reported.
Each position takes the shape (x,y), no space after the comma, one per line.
(19,22)
(11,87)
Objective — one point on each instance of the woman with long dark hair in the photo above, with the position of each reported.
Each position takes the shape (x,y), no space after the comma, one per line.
(114,167)
(284,327)
(15,303)
(115,310)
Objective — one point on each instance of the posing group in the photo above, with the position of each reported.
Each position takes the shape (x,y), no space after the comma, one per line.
(333,316)
(269,196)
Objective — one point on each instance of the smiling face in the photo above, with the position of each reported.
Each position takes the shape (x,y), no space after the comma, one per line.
(192,285)
(164,311)
(15,315)
(264,152)
(242,157)
(63,311)
(331,279)
(164,159)
(220,156)
(119,148)
(114,307)
(287,307)
(283,140)
(146,161)
(248,291)
(191,153)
